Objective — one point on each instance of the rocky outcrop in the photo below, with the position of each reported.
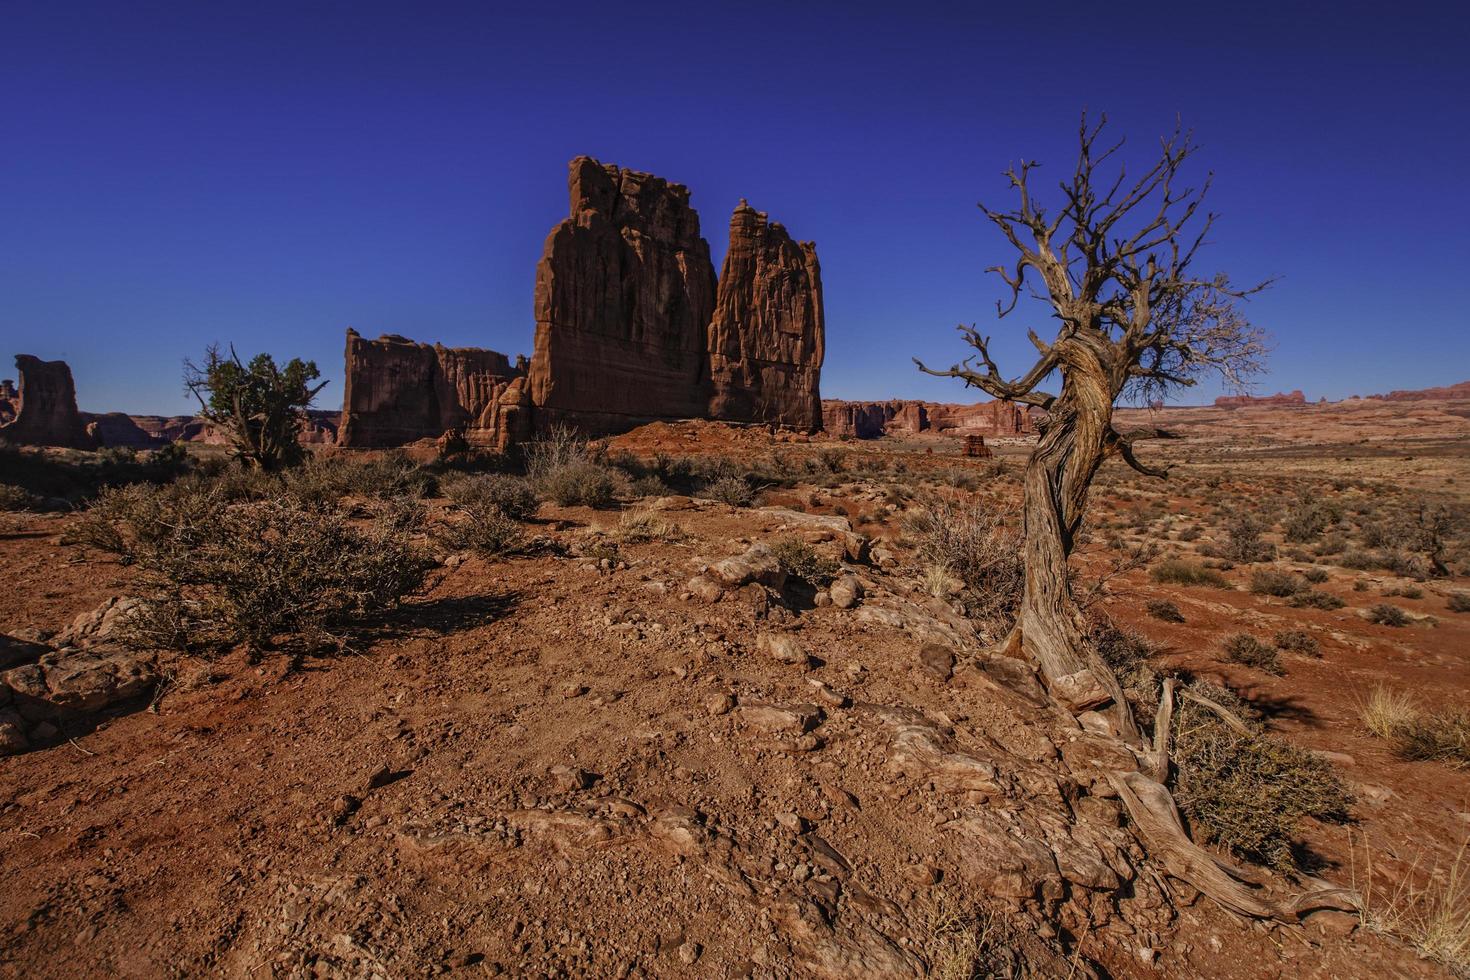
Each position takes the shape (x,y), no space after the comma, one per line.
(1454,392)
(625,290)
(47,411)
(1292,399)
(767,336)
(869,420)
(398,391)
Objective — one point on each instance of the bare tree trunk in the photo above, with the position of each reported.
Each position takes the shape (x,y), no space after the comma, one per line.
(1050,628)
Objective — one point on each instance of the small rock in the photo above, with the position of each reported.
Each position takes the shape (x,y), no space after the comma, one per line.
(703,587)
(793,822)
(343,807)
(1331,922)
(689,952)
(719,704)
(572,778)
(938,660)
(846,592)
(799,718)
(783,648)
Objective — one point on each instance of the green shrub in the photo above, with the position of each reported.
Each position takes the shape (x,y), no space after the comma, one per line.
(13,498)
(512,496)
(1388,615)
(1249,793)
(1298,641)
(1165,610)
(798,560)
(1273,582)
(1177,571)
(1312,599)
(260,571)
(1242,648)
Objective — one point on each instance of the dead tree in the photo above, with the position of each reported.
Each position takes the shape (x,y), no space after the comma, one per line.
(1115,266)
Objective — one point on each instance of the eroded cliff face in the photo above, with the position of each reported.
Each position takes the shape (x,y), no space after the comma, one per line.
(767,337)
(624,292)
(869,420)
(398,391)
(46,414)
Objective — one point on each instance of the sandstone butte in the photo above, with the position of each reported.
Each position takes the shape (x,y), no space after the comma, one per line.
(45,406)
(632,326)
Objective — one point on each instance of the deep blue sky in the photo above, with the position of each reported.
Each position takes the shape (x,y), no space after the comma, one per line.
(173,174)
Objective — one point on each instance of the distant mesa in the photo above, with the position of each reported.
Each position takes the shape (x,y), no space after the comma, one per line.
(1291,399)
(1454,392)
(870,420)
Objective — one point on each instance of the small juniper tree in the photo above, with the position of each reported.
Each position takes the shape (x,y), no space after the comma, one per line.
(1114,266)
(259,405)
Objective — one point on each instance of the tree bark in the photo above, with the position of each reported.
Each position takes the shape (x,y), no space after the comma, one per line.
(1050,628)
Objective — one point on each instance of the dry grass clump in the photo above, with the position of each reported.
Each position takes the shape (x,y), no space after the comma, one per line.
(1249,793)
(975,543)
(1164,610)
(1242,648)
(1416,734)
(1433,916)
(732,490)
(965,941)
(640,525)
(1178,571)
(799,560)
(1274,582)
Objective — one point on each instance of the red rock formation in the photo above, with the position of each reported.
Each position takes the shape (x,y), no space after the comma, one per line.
(767,335)
(398,391)
(47,414)
(1454,392)
(624,293)
(869,420)
(1244,401)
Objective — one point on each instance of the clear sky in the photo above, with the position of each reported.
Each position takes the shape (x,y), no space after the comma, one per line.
(268,174)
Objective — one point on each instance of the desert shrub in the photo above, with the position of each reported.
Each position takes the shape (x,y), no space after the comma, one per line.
(1443,737)
(1332,543)
(1243,540)
(257,406)
(799,560)
(1458,602)
(487,530)
(832,460)
(1385,614)
(1307,519)
(1274,582)
(976,544)
(1178,571)
(1312,599)
(1316,575)
(1190,533)
(567,470)
(1405,592)
(1165,610)
(13,498)
(1249,793)
(1297,641)
(511,495)
(330,478)
(1242,648)
(732,490)
(259,571)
